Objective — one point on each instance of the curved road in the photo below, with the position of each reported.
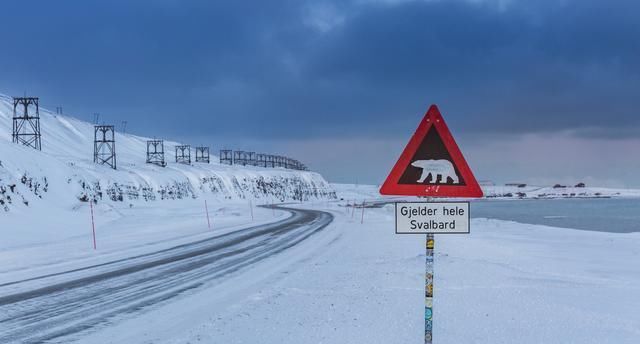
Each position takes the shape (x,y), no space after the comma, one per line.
(61,306)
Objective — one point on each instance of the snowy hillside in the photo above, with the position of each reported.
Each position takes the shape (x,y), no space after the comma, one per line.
(63,173)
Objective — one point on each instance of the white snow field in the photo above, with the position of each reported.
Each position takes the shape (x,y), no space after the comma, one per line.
(348,283)
(46,246)
(360,283)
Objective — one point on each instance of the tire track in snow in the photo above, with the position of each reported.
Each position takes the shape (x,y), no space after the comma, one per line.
(62,311)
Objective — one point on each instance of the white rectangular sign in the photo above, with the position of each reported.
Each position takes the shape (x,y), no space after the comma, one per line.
(432,217)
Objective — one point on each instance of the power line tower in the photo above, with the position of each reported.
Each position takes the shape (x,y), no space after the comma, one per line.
(26,127)
(202,154)
(271,161)
(183,154)
(251,158)
(279,161)
(226,156)
(239,158)
(104,145)
(261,160)
(155,152)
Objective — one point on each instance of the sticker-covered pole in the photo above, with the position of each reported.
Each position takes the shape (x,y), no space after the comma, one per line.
(428,291)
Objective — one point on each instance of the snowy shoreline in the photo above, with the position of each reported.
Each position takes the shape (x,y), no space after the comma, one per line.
(359,192)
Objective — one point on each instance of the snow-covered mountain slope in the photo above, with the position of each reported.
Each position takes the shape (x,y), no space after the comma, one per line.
(63,173)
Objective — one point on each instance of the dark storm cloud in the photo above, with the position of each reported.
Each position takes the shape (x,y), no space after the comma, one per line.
(265,70)
(141,58)
(518,69)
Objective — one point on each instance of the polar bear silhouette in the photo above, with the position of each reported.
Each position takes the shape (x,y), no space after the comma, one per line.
(438,169)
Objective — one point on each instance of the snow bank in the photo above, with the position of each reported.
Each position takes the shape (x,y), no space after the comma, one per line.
(356,192)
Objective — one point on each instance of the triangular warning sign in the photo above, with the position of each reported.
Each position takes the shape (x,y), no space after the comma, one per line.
(431,164)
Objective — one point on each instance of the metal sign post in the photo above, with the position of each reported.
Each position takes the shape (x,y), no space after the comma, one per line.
(428,287)
(431,165)
(431,218)
(428,291)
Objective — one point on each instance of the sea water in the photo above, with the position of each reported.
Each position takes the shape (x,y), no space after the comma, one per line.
(616,215)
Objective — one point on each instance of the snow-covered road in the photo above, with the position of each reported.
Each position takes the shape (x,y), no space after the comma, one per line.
(60,307)
(353,280)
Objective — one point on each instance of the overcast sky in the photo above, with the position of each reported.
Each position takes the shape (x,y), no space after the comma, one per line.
(534,91)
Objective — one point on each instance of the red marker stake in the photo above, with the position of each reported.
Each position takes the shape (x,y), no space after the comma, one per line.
(207,210)
(353,209)
(362,217)
(93,225)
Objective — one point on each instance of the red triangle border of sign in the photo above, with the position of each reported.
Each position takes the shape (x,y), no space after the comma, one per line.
(432,118)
